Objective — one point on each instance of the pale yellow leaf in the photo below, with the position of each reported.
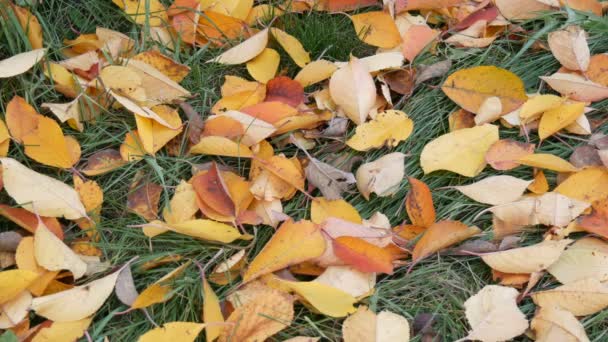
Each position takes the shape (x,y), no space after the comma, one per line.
(586,258)
(528,259)
(20,63)
(582,297)
(245,51)
(495,190)
(353,89)
(52,254)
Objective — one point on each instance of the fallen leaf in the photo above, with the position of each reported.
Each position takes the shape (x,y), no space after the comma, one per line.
(471,87)
(148,12)
(382,176)
(20,63)
(589,185)
(528,259)
(539,185)
(553,324)
(160,291)
(21,118)
(260,318)
(30,25)
(245,51)
(315,72)
(441,235)
(207,230)
(279,252)
(576,87)
(143,198)
(365,325)
(431,71)
(504,154)
(493,314)
(495,190)
(153,135)
(348,279)
(353,89)
(29,221)
(102,162)
(182,206)
(173,331)
(535,106)
(331,181)
(556,119)
(292,46)
(584,259)
(362,255)
(169,67)
(220,146)
(284,89)
(594,6)
(462,151)
(416,39)
(40,194)
(581,298)
(596,221)
(569,46)
(52,254)
(322,208)
(376,28)
(400,81)
(524,9)
(212,312)
(264,66)
(76,303)
(125,287)
(63,331)
(419,204)
(585,156)
(387,128)
(14,282)
(547,161)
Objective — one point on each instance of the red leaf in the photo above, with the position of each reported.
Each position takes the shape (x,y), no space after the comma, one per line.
(286,90)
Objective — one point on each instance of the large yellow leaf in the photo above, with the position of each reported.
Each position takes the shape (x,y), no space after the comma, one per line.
(264,66)
(48,145)
(63,331)
(292,46)
(144,12)
(586,258)
(220,146)
(293,243)
(377,28)
(182,206)
(173,331)
(14,282)
(582,297)
(30,25)
(553,324)
(589,185)
(538,104)
(493,314)
(353,89)
(528,259)
(387,128)
(471,87)
(20,63)
(245,51)
(321,209)
(315,72)
(76,303)
(561,117)
(52,254)
(40,194)
(547,161)
(154,135)
(441,235)
(212,312)
(462,151)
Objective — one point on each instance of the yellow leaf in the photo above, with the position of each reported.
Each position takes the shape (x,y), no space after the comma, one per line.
(245,51)
(26,260)
(208,230)
(292,46)
(356,283)
(582,297)
(234,8)
(264,66)
(47,144)
(173,331)
(20,63)
(30,25)
(15,310)
(160,291)
(76,303)
(555,119)
(315,72)
(40,194)
(63,80)
(547,161)
(366,326)
(322,209)
(220,146)
(131,149)
(589,185)
(586,258)
(293,243)
(212,312)
(471,87)
(554,324)
(164,64)
(90,193)
(144,12)
(535,106)
(52,254)
(67,112)
(377,28)
(5,139)
(157,87)
(152,134)
(63,331)
(388,128)
(262,13)
(353,89)
(528,259)
(14,282)
(462,151)
(441,235)
(182,206)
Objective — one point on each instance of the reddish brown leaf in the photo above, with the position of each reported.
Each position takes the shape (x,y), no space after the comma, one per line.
(419,204)
(597,221)
(29,221)
(488,14)
(286,90)
(505,153)
(401,81)
(212,193)
(362,255)
(102,162)
(143,198)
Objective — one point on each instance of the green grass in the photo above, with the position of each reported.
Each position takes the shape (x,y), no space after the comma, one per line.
(439,285)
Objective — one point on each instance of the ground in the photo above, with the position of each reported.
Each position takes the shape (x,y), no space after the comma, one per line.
(438,285)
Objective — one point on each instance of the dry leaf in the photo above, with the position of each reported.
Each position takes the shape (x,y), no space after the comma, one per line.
(245,51)
(387,128)
(348,279)
(569,46)
(556,119)
(331,181)
(419,204)
(416,39)
(63,331)
(524,9)
(441,235)
(292,46)
(505,153)
(529,259)
(547,161)
(173,331)
(143,198)
(13,282)
(553,324)
(264,66)
(366,326)
(125,287)
(495,190)
(362,255)
(182,206)
(462,151)
(353,89)
(382,176)
(493,314)
(315,72)
(576,87)
(584,259)
(212,312)
(102,162)
(589,185)
(20,63)
(376,28)
(280,251)
(581,298)
(322,209)
(40,194)
(148,12)
(52,254)
(160,291)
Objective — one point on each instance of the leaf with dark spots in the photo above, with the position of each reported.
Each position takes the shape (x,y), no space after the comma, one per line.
(211,190)
(284,89)
(331,181)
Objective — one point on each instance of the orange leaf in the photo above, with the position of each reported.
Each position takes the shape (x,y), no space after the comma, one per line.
(345,5)
(362,255)
(29,221)
(597,221)
(442,235)
(284,89)
(143,199)
(419,204)
(505,153)
(293,243)
(102,162)
(416,39)
(21,118)
(223,126)
(270,111)
(212,191)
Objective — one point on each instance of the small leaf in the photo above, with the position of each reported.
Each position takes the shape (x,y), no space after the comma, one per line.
(63,331)
(245,51)
(561,117)
(353,89)
(331,181)
(419,204)
(382,176)
(505,153)
(388,128)
(441,235)
(173,331)
(322,209)
(292,46)
(495,190)
(160,291)
(547,161)
(576,87)
(529,259)
(315,72)
(376,28)
(264,66)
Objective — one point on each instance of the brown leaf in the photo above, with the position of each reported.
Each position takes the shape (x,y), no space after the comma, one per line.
(331,181)
(284,89)
(212,192)
(400,81)
(427,72)
(143,198)
(442,235)
(597,221)
(585,156)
